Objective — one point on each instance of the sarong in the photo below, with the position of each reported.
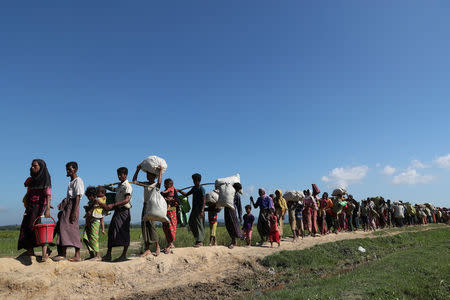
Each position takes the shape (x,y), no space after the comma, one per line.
(91,234)
(119,228)
(232,223)
(69,233)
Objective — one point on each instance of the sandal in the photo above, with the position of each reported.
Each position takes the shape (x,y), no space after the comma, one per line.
(58,258)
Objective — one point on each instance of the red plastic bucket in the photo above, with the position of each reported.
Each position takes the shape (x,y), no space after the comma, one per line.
(44,232)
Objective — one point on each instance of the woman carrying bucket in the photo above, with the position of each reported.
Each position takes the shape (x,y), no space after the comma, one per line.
(37,202)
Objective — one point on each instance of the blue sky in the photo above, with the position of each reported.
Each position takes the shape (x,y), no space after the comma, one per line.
(287,93)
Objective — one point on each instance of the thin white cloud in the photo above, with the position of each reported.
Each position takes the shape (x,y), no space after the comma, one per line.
(417,164)
(249,191)
(378,165)
(3,209)
(411,177)
(388,170)
(443,161)
(343,177)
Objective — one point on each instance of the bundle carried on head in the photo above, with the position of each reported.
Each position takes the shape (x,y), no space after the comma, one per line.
(339,192)
(293,196)
(226,190)
(152,164)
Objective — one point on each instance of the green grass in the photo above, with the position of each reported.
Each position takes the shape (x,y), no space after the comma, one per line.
(410,265)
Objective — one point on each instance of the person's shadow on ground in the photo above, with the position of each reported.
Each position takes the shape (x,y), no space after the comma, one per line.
(25,259)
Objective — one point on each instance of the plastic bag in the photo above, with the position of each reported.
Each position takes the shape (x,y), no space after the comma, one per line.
(226,196)
(152,163)
(293,196)
(155,206)
(232,180)
(212,197)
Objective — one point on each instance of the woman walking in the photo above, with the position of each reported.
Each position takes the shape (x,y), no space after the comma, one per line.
(37,202)
(280,210)
(265,203)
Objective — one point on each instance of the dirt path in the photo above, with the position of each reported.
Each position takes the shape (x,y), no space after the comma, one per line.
(185,267)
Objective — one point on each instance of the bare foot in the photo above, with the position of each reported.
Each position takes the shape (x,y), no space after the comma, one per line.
(146,253)
(231,246)
(197,245)
(75,259)
(158,251)
(44,258)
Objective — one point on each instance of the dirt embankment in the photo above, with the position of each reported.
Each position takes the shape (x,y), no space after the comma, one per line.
(188,272)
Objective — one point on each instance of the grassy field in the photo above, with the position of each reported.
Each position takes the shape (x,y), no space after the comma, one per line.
(184,238)
(410,265)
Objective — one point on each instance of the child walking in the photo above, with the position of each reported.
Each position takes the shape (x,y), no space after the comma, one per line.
(94,219)
(249,219)
(274,233)
(212,220)
(170,229)
(299,219)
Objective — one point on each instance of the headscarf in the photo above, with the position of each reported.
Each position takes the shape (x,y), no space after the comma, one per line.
(282,201)
(42,179)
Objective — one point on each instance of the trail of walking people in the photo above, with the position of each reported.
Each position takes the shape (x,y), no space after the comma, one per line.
(149,275)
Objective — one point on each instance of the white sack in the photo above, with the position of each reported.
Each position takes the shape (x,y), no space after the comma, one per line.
(152,163)
(293,196)
(339,192)
(226,195)
(232,180)
(155,206)
(212,197)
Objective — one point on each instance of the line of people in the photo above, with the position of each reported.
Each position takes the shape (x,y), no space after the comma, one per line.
(314,214)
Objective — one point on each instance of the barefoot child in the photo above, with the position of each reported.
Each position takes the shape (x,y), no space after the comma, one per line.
(249,219)
(94,219)
(274,233)
(119,227)
(212,220)
(299,219)
(170,229)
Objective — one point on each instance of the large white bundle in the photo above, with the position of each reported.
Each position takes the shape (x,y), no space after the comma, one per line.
(293,196)
(212,197)
(232,180)
(226,195)
(155,206)
(152,164)
(339,192)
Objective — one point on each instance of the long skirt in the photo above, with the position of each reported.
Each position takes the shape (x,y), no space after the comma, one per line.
(27,239)
(310,219)
(170,229)
(232,223)
(197,226)
(263,224)
(69,233)
(280,220)
(90,235)
(292,220)
(322,223)
(119,228)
